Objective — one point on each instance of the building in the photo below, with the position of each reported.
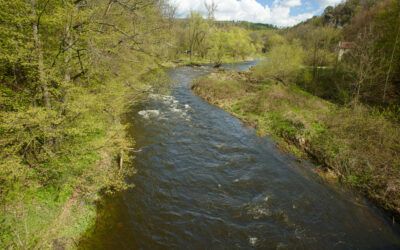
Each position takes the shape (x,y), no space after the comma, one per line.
(344,47)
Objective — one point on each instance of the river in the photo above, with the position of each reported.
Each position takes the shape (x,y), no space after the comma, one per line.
(205,181)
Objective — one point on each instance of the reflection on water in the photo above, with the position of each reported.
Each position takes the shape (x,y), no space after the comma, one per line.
(207,182)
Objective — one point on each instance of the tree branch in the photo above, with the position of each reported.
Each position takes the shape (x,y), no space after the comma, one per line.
(40,14)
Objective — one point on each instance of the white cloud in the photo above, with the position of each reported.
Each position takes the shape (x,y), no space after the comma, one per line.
(252,11)
(288,3)
(325,3)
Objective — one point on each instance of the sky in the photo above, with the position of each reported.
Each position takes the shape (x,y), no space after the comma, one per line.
(282,13)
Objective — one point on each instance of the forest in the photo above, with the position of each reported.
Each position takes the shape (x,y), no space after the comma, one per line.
(71,69)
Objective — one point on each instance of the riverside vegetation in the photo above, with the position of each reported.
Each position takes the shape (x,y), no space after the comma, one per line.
(343,114)
(68,72)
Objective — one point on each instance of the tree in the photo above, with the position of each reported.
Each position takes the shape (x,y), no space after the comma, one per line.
(365,65)
(218,46)
(388,29)
(240,43)
(321,44)
(197,31)
(282,63)
(211,9)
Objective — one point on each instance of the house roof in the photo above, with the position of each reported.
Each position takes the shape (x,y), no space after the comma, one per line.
(346,45)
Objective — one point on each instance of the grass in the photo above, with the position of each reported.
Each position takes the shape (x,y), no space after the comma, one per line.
(362,146)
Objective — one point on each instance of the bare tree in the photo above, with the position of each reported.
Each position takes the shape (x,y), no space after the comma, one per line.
(211,9)
(366,64)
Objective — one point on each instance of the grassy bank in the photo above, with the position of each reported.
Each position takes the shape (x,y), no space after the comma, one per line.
(359,144)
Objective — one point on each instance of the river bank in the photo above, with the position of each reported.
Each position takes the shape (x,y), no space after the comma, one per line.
(360,146)
(53,217)
(197,62)
(56,215)
(106,177)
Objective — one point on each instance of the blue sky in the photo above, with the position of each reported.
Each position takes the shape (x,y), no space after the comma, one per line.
(306,6)
(282,13)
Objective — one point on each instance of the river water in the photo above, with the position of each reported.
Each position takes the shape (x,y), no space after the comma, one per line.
(205,181)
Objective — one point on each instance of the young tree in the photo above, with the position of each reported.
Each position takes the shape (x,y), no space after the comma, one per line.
(197,31)
(240,42)
(218,46)
(282,63)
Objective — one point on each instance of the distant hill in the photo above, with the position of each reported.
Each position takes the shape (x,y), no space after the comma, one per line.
(250,25)
(242,24)
(341,14)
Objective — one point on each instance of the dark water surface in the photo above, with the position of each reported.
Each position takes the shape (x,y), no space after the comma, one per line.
(207,182)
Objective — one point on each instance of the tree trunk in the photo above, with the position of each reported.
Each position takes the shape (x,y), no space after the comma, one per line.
(42,74)
(390,64)
(191,50)
(68,38)
(68,57)
(315,62)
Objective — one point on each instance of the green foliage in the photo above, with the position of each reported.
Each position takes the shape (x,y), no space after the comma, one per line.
(69,70)
(206,40)
(282,64)
(234,43)
(197,33)
(219,46)
(388,29)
